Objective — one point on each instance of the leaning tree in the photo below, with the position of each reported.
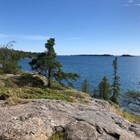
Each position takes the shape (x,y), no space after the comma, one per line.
(46,64)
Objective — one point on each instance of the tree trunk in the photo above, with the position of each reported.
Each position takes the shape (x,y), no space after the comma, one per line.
(49,77)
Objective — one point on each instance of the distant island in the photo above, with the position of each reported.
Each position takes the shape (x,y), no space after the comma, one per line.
(94,55)
(127,55)
(123,55)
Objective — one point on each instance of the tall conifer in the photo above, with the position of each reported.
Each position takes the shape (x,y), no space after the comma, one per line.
(116,83)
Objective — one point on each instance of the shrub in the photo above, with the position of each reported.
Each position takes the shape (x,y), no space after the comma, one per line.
(30,80)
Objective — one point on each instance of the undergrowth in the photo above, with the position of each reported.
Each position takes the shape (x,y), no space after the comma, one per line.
(20,90)
(28,86)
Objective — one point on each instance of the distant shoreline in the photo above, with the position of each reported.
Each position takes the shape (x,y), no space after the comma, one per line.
(107,55)
(94,55)
(127,55)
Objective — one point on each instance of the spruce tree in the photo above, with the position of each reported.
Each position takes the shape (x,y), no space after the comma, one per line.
(104,89)
(116,83)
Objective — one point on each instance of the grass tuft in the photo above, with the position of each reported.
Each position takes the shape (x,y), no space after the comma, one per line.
(128,116)
(27,86)
(57,136)
(16,100)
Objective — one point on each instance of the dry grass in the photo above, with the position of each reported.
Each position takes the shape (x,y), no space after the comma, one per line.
(128,116)
(17,100)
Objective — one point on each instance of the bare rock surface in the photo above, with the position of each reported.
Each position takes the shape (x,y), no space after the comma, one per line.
(41,118)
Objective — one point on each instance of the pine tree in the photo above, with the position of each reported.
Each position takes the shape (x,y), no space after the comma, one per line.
(116,83)
(46,64)
(104,89)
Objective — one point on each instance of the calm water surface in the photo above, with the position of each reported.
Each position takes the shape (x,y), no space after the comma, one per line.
(94,68)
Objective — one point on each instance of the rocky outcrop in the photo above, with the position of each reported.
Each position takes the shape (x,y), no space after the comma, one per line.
(41,118)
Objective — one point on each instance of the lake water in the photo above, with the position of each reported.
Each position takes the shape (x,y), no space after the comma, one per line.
(93,68)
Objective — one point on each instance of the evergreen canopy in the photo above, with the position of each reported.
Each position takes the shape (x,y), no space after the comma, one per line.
(46,64)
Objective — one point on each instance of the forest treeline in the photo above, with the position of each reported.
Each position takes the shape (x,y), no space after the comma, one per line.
(9,58)
(15,54)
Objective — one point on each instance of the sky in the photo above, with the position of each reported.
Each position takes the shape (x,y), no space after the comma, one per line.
(78,26)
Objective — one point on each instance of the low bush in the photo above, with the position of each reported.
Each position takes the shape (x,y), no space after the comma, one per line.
(30,80)
(57,136)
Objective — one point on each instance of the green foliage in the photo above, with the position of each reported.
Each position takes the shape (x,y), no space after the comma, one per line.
(10,82)
(8,61)
(68,77)
(4,96)
(9,58)
(10,67)
(25,79)
(104,89)
(130,117)
(133,95)
(132,98)
(30,80)
(39,93)
(116,83)
(21,87)
(46,64)
(95,93)
(57,136)
(86,86)
(15,55)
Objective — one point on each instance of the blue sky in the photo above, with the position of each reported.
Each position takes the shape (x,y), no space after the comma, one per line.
(79,26)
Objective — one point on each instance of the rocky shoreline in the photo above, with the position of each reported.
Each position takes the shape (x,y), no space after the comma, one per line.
(41,118)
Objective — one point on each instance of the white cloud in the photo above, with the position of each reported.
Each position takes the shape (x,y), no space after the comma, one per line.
(138,4)
(130,1)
